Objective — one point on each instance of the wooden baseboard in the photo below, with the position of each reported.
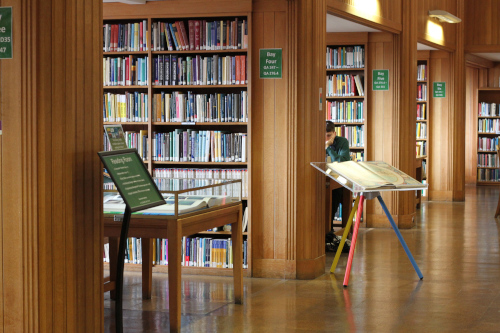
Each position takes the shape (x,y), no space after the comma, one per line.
(381,221)
(311,268)
(274,268)
(184,270)
(440,195)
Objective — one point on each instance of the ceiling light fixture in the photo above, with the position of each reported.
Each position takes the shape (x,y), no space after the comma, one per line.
(444,16)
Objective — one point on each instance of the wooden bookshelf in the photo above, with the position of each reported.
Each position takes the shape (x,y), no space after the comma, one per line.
(122,16)
(354,66)
(486,126)
(422,121)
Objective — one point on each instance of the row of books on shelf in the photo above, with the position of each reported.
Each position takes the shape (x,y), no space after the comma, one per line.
(487,160)
(125,71)
(422,72)
(344,85)
(127,107)
(222,34)
(422,92)
(488,125)
(345,111)
(488,110)
(345,57)
(421,147)
(196,252)
(171,69)
(421,111)
(357,156)
(163,176)
(131,37)
(421,130)
(488,175)
(353,134)
(189,145)
(487,144)
(190,107)
(134,139)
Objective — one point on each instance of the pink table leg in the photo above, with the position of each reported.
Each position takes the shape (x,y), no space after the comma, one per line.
(353,242)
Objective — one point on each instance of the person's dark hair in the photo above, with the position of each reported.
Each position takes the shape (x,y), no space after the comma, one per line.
(330,127)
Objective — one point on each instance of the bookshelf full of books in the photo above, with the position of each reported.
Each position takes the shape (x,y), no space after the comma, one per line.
(345,93)
(180,88)
(422,122)
(488,135)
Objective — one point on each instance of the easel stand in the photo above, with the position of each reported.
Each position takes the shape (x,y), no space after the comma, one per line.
(361,199)
(119,271)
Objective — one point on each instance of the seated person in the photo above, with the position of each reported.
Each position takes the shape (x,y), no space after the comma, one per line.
(337,148)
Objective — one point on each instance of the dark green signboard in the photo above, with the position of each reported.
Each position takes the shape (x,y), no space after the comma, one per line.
(439,90)
(5,32)
(133,181)
(271,65)
(116,137)
(380,79)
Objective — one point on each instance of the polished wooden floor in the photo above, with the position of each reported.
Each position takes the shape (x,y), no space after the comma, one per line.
(456,246)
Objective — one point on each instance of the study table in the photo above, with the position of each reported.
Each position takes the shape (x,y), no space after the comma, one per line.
(155,223)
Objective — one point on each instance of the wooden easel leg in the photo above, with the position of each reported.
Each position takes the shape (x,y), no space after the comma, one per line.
(174,275)
(354,238)
(237,235)
(147,267)
(344,236)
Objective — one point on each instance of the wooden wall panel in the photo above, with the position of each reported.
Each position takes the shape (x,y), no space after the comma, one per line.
(472,82)
(482,32)
(430,30)
(493,76)
(51,220)
(381,14)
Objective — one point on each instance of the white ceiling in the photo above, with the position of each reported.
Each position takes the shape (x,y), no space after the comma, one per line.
(337,24)
(422,47)
(489,56)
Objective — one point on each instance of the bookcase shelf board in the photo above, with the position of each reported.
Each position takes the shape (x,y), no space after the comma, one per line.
(208,86)
(242,51)
(125,87)
(210,271)
(125,53)
(215,123)
(328,70)
(126,123)
(345,97)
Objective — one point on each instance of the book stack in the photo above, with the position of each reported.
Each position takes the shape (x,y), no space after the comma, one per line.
(487,160)
(344,85)
(488,175)
(189,145)
(489,125)
(125,71)
(357,156)
(172,69)
(344,111)
(487,110)
(422,72)
(421,130)
(128,107)
(128,37)
(353,134)
(422,92)
(134,139)
(187,106)
(345,57)
(421,148)
(421,111)
(196,35)
(487,144)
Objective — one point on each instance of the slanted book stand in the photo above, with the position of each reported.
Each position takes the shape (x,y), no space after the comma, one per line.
(368,179)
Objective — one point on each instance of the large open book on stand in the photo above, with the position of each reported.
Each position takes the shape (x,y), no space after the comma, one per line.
(369,176)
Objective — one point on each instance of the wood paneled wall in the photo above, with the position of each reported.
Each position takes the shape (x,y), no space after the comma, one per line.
(472,83)
(287,134)
(483,27)
(433,32)
(380,14)
(52,239)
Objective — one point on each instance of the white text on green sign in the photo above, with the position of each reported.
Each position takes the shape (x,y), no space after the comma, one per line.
(380,79)
(5,32)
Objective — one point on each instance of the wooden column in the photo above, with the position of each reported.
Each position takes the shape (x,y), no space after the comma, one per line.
(51,228)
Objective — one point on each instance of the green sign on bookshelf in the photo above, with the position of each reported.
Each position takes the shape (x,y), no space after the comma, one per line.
(5,32)
(131,178)
(439,90)
(380,79)
(116,137)
(271,65)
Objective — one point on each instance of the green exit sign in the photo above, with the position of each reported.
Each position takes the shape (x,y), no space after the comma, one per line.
(5,32)
(439,90)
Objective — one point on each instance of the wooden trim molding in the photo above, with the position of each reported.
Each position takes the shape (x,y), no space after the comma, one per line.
(478,62)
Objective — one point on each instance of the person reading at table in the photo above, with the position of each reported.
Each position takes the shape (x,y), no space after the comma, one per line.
(337,148)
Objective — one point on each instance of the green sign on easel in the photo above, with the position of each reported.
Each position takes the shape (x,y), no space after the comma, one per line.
(271,64)
(131,178)
(380,79)
(116,137)
(5,32)
(439,90)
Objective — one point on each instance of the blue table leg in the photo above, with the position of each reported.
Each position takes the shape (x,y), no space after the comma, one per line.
(401,240)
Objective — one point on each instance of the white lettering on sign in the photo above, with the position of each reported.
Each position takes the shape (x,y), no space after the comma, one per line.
(271,54)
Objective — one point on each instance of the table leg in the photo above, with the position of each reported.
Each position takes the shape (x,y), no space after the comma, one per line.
(344,236)
(401,239)
(113,258)
(237,236)
(174,233)
(147,267)
(353,242)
